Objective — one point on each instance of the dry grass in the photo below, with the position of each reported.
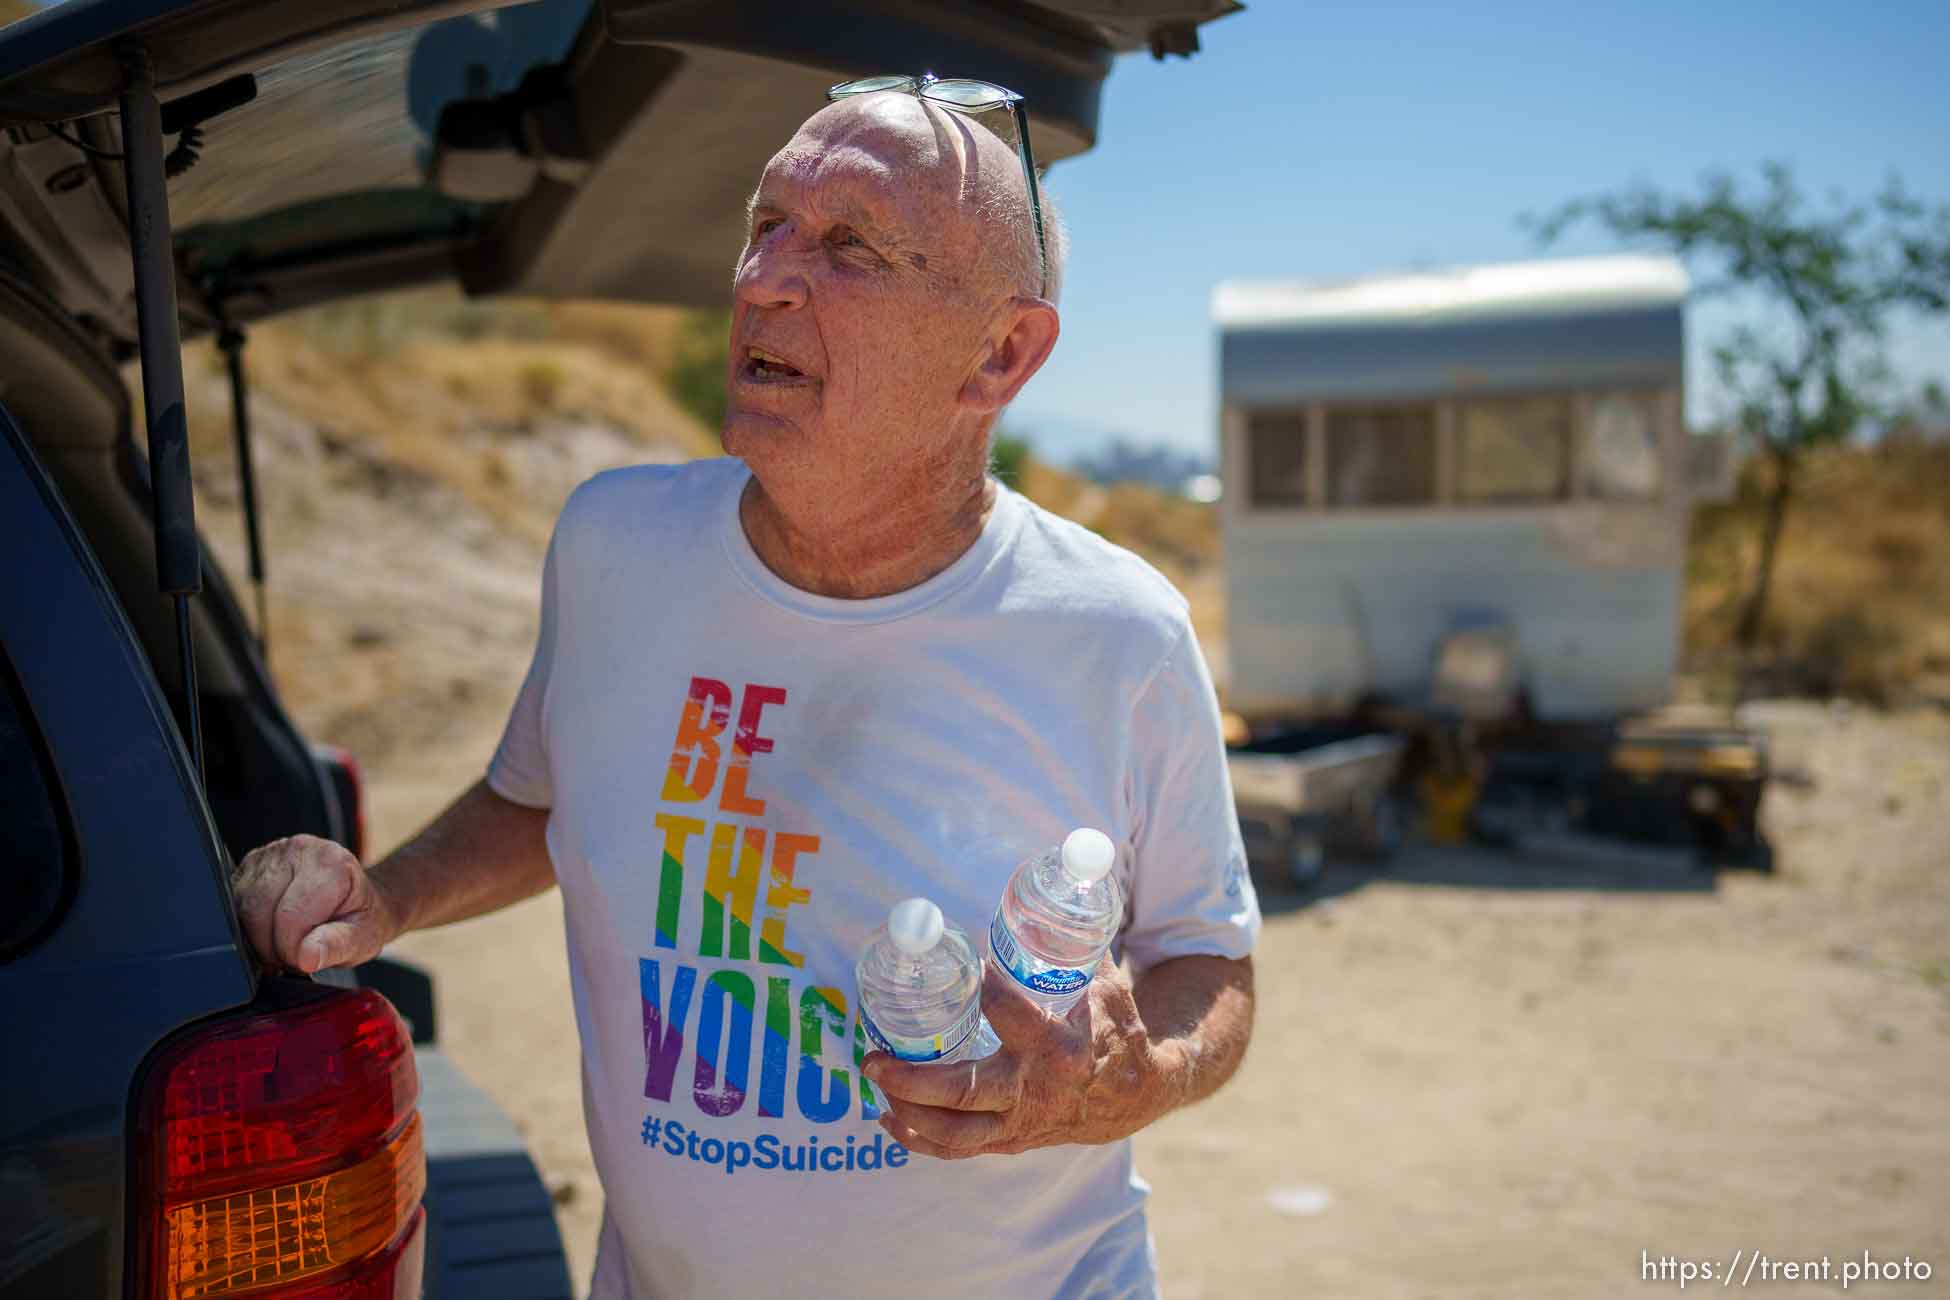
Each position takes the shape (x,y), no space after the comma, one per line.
(475,398)
(1177,535)
(646,336)
(412,455)
(1861,598)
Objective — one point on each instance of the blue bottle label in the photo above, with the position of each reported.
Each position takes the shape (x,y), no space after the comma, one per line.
(1029,972)
(930,1048)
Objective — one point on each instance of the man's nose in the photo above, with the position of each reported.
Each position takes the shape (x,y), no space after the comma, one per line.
(771,275)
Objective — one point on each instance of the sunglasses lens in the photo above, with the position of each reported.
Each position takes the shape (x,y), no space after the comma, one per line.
(867,85)
(963,93)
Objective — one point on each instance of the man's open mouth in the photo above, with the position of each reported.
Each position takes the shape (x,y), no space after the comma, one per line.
(768,367)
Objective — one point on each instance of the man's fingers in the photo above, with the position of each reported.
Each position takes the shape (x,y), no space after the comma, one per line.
(1104,980)
(991,1084)
(1014,1016)
(262,878)
(947,1133)
(322,883)
(335,943)
(920,1146)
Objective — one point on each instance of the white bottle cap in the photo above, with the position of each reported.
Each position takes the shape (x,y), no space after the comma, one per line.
(1087,854)
(915,926)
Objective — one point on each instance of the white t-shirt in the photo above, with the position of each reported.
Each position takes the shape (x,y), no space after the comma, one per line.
(743,777)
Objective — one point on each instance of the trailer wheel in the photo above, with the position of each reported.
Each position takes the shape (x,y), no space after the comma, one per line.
(1377,830)
(1305,859)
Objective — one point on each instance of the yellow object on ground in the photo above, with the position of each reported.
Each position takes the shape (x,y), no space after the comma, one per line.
(1446,801)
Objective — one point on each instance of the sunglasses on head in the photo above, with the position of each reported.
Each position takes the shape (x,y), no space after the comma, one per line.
(966,95)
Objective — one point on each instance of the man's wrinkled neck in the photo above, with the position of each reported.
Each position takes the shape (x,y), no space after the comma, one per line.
(873,542)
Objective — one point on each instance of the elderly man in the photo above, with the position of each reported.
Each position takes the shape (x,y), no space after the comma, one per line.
(777,692)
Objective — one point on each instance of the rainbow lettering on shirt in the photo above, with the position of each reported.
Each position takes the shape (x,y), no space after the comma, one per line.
(727,859)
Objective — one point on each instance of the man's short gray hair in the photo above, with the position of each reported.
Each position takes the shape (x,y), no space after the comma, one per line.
(1010,237)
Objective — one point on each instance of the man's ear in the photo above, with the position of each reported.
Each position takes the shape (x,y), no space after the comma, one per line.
(1030,330)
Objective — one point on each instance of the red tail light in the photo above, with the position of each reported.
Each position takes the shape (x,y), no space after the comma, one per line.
(281,1157)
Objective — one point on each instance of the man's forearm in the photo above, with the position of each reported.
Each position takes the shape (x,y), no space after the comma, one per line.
(481,854)
(1198,1013)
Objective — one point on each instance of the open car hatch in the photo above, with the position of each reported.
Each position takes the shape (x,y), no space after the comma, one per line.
(571,148)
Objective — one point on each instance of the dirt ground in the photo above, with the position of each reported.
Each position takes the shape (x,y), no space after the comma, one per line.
(1474,1076)
(1487,1076)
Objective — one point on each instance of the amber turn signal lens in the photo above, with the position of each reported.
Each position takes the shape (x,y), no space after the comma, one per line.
(233,1245)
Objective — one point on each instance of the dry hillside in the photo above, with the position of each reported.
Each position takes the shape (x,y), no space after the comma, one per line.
(412,456)
(1861,597)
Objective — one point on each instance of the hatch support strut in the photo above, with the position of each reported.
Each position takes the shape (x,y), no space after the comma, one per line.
(179,564)
(231,340)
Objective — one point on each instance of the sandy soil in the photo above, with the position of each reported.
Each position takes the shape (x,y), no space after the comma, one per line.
(1475,1076)
(1496,1077)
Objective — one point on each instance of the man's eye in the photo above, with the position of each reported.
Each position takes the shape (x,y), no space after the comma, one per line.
(769,224)
(850,239)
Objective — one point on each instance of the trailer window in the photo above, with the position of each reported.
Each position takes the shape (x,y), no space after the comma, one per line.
(1514,449)
(1276,449)
(1621,455)
(1380,455)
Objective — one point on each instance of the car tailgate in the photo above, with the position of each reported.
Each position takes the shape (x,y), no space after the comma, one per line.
(491,1230)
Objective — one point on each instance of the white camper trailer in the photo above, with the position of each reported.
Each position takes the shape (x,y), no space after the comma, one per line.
(1410,456)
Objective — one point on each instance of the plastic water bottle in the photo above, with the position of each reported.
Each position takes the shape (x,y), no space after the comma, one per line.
(921,988)
(1059,912)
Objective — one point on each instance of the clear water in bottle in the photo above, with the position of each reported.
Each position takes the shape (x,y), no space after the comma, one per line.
(921,988)
(1059,912)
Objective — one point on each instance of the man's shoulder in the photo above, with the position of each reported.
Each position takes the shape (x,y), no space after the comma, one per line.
(1070,570)
(650,495)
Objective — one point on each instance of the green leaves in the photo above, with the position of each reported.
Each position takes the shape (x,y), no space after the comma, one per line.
(1006,457)
(701,357)
(1816,374)
(1831,277)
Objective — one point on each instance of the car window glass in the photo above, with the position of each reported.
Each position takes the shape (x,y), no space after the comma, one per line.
(353,123)
(30,822)
(12,11)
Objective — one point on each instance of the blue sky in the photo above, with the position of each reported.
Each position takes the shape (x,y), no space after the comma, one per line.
(1317,140)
